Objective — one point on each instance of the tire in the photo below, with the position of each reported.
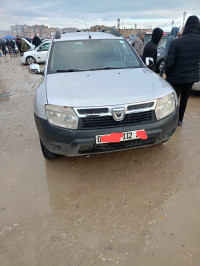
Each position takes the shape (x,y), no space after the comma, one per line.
(48,154)
(30,60)
(160,65)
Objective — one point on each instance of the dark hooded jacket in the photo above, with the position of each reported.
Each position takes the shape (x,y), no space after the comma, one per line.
(182,62)
(172,36)
(150,50)
(36,41)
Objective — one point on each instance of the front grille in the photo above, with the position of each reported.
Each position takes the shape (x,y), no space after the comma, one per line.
(92,111)
(95,122)
(98,148)
(140,106)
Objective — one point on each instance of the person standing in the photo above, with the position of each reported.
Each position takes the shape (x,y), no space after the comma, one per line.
(12,43)
(182,63)
(3,46)
(18,43)
(150,49)
(36,41)
(8,44)
(138,42)
(173,35)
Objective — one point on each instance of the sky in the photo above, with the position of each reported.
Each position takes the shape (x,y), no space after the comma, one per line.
(70,13)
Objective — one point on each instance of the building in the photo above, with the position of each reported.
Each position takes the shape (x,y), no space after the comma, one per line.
(29,31)
(44,31)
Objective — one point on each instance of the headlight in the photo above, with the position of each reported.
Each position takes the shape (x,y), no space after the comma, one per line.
(165,106)
(61,116)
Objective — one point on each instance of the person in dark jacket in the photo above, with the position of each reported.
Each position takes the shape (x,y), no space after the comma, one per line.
(36,41)
(150,50)
(173,35)
(3,46)
(18,43)
(8,44)
(12,43)
(182,62)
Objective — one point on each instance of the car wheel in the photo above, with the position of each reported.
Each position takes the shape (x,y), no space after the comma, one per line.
(30,60)
(160,65)
(48,154)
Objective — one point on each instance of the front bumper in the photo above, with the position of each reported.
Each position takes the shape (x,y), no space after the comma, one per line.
(22,59)
(80,142)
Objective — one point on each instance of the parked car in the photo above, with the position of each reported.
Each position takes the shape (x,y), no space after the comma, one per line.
(30,45)
(82,106)
(160,56)
(37,55)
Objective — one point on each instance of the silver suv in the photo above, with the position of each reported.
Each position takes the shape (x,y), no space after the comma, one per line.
(98,96)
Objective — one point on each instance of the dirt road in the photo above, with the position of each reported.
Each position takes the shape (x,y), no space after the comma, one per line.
(137,207)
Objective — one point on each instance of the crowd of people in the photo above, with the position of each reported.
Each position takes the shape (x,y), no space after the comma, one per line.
(182,58)
(8,45)
(17,45)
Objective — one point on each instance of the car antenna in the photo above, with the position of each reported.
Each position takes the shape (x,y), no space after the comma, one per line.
(87,29)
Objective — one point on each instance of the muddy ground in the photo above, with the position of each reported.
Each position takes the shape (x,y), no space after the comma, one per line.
(137,207)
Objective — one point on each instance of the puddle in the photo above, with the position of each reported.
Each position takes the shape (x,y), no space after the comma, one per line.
(4,96)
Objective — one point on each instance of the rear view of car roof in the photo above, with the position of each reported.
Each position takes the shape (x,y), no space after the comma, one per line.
(86,35)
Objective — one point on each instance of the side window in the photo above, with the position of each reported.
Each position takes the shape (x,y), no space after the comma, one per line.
(44,47)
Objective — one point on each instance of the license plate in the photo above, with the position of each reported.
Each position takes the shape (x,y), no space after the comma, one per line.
(123,136)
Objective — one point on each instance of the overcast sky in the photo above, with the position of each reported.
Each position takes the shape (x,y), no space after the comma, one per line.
(70,13)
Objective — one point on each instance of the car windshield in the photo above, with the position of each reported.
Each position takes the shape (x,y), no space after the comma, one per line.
(85,55)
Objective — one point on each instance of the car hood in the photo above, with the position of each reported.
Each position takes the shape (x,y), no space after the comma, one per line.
(105,87)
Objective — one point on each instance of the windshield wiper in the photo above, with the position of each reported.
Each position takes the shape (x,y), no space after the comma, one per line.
(102,68)
(68,70)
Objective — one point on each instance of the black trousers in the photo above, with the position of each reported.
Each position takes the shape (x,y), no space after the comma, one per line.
(183,90)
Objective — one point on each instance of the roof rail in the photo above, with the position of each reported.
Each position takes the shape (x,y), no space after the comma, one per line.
(57,34)
(111,31)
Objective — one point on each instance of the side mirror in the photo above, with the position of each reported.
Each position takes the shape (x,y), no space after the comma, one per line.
(35,69)
(149,61)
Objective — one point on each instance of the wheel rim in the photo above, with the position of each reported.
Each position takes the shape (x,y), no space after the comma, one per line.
(30,60)
(161,65)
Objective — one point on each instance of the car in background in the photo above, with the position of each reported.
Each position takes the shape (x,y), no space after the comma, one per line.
(160,56)
(30,45)
(37,55)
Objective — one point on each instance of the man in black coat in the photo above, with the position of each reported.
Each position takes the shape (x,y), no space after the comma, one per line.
(36,41)
(182,62)
(150,49)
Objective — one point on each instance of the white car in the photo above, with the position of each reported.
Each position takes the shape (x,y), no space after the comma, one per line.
(37,55)
(30,45)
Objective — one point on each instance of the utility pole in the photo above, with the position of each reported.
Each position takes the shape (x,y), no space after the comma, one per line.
(184,15)
(118,23)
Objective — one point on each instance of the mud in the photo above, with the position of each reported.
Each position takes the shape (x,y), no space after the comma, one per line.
(136,207)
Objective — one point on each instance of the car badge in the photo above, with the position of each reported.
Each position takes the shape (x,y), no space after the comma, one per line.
(118,113)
